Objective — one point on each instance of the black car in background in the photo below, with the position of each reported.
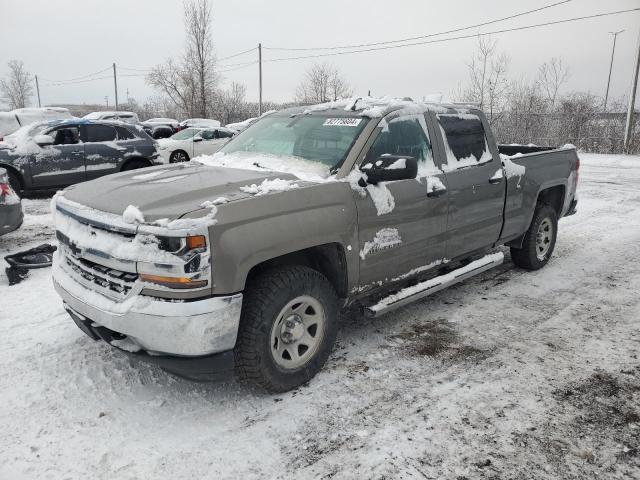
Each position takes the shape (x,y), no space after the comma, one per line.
(44,156)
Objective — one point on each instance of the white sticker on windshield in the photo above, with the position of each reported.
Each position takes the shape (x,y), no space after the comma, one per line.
(342,122)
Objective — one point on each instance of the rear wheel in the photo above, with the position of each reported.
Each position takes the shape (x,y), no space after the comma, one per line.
(179,156)
(539,241)
(287,329)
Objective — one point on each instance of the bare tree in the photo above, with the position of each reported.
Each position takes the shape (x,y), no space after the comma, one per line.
(488,84)
(199,54)
(16,88)
(551,76)
(190,83)
(322,83)
(231,103)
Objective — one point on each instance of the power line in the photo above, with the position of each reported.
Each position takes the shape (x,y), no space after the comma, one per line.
(489,22)
(77,78)
(238,68)
(62,84)
(237,54)
(388,47)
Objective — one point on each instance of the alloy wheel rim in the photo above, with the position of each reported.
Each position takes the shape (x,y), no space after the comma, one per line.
(297,333)
(544,236)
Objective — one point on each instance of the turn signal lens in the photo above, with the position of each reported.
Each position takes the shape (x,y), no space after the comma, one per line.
(197,241)
(174,282)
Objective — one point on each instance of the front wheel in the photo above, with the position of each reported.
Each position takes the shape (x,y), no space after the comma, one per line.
(287,329)
(539,240)
(178,157)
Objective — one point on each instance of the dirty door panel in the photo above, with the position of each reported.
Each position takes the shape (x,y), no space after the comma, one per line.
(401,228)
(475,182)
(60,164)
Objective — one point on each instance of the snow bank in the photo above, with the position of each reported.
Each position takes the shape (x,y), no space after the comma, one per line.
(384,239)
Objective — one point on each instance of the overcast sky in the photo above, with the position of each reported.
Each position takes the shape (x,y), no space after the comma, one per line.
(65,39)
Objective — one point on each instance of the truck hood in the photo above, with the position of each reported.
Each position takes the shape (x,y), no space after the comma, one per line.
(168,191)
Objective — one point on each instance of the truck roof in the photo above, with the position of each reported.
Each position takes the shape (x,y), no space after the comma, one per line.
(376,107)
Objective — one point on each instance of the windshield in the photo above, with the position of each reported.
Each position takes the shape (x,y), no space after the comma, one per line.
(185,134)
(316,138)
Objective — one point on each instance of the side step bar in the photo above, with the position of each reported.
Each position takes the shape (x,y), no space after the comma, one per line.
(433,285)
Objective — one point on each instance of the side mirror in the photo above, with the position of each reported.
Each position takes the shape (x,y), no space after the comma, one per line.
(43,140)
(197,139)
(388,168)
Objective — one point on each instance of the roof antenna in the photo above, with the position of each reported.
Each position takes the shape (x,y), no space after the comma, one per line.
(355,104)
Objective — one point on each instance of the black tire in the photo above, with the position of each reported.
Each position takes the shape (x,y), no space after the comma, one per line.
(14,181)
(535,253)
(179,156)
(265,298)
(135,164)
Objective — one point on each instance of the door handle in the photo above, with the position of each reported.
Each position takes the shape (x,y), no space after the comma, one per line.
(77,152)
(495,180)
(436,193)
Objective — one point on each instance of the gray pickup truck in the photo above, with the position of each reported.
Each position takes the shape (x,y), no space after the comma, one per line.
(243,260)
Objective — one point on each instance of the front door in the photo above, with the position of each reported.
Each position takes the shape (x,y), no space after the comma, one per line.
(402,224)
(475,182)
(62,163)
(103,154)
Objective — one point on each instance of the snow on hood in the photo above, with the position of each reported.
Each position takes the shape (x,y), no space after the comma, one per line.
(306,170)
(166,193)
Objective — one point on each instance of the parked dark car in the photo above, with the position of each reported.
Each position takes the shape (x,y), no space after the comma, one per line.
(44,156)
(159,131)
(10,205)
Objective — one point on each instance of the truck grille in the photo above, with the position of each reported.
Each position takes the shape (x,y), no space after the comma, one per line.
(109,279)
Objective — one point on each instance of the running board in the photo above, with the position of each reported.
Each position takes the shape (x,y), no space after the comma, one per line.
(433,285)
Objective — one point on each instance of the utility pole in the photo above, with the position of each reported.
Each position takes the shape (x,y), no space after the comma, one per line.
(613,50)
(115,84)
(260,79)
(632,100)
(38,90)
(106,99)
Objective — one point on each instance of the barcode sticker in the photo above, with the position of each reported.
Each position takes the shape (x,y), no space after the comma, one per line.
(342,122)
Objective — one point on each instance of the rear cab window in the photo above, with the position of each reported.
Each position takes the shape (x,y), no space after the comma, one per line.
(464,139)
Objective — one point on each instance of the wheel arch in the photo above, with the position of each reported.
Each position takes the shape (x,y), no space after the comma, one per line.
(328,259)
(16,172)
(552,195)
(128,161)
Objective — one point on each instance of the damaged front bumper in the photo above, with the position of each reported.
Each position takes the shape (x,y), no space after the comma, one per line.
(187,328)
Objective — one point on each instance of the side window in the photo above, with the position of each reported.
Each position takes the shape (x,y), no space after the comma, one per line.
(208,134)
(100,133)
(66,136)
(224,134)
(464,139)
(124,134)
(404,135)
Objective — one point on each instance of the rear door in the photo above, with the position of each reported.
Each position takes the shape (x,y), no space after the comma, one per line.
(62,163)
(103,151)
(475,183)
(212,141)
(402,228)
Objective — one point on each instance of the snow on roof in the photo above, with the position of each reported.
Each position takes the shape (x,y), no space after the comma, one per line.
(375,107)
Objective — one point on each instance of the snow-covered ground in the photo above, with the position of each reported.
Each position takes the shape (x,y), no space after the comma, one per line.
(511,374)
